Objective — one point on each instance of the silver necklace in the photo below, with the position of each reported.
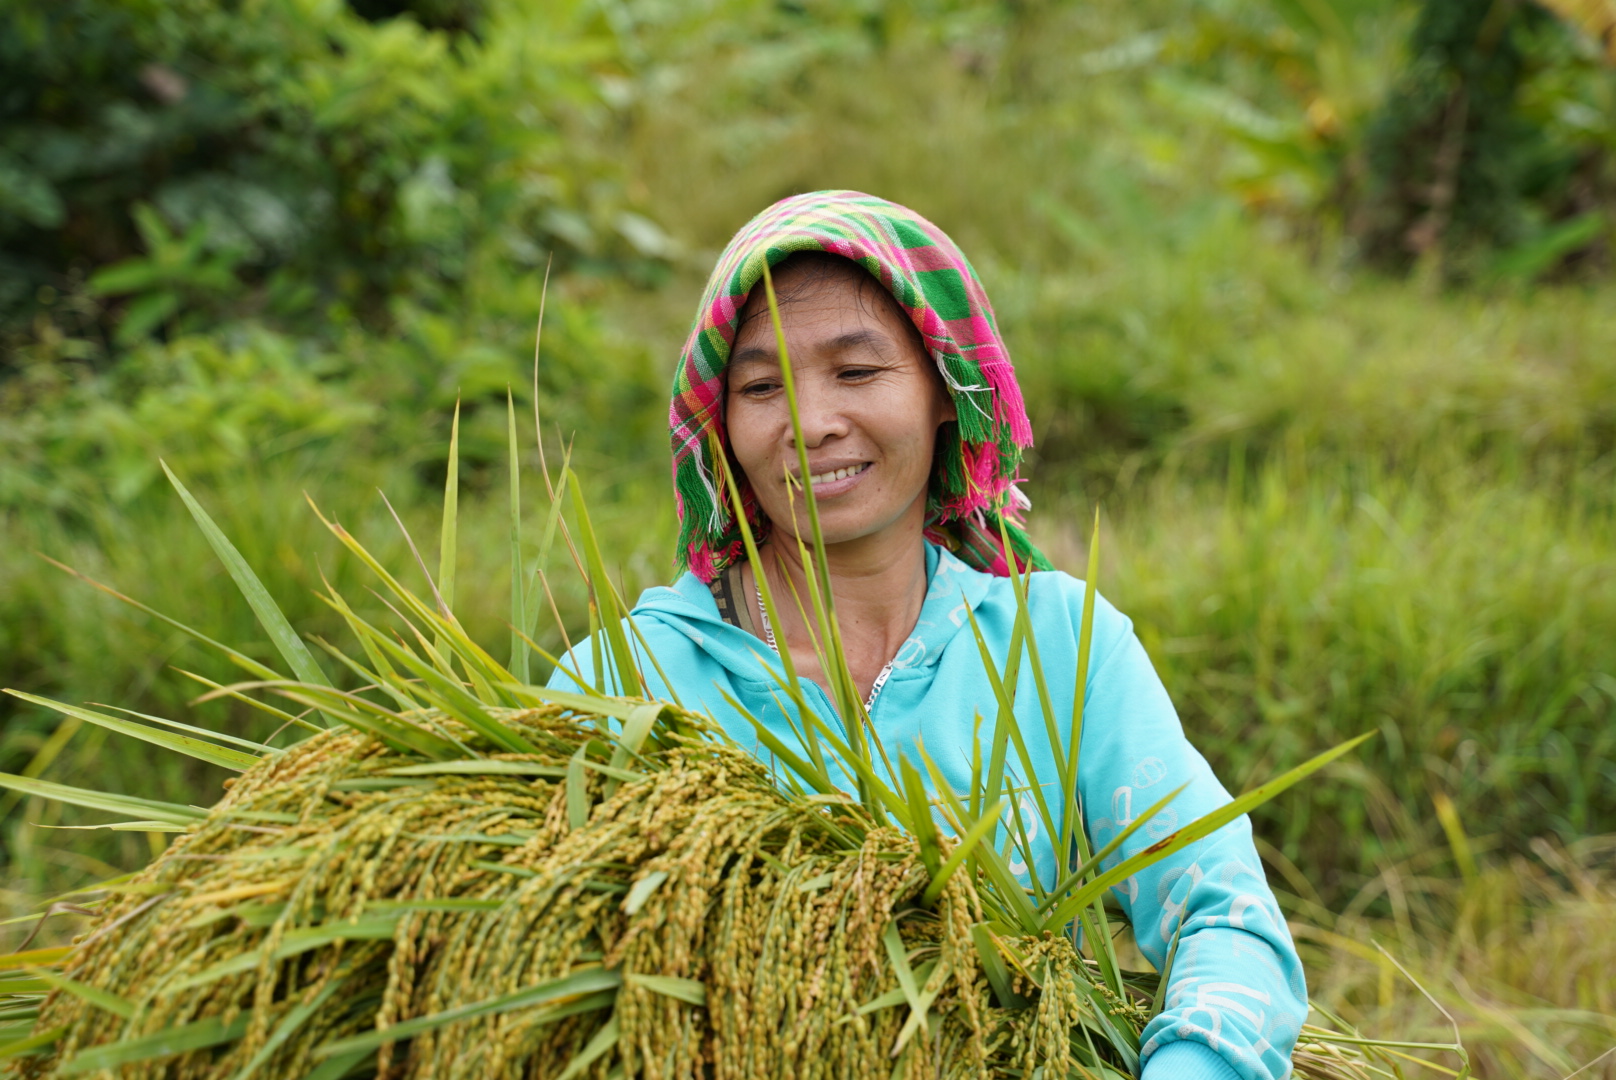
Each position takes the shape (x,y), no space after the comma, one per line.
(768,636)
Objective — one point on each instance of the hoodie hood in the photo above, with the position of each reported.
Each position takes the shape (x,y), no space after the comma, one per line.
(973,499)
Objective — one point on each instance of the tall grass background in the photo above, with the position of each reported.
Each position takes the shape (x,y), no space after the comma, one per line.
(1330,501)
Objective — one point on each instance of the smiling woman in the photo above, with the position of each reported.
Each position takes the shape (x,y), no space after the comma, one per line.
(911,430)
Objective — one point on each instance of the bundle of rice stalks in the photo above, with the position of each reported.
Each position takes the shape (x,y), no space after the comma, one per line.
(635,898)
(649,903)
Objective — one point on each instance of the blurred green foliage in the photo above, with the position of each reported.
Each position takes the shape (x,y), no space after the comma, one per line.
(1499,136)
(275,242)
(152,151)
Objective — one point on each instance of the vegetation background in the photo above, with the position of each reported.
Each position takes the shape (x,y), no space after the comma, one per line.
(1312,297)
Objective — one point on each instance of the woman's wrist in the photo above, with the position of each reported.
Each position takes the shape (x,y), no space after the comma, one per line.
(1186,1060)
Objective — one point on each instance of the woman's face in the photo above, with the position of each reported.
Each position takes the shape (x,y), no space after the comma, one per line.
(869,397)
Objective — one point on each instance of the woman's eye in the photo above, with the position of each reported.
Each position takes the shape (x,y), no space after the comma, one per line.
(761,388)
(858,374)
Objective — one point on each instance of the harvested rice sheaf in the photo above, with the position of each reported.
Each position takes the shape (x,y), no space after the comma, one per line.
(582,910)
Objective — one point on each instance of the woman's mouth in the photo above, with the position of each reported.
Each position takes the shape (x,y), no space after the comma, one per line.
(833,481)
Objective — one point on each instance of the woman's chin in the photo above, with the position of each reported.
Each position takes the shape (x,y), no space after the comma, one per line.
(853,527)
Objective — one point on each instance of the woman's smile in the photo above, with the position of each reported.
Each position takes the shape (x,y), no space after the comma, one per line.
(828,483)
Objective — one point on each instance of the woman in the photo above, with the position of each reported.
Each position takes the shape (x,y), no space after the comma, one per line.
(914,429)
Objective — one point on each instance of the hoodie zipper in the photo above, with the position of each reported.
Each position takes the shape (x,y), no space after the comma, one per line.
(768,636)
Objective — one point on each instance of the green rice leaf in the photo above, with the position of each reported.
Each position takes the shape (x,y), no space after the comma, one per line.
(616,775)
(270,616)
(35,957)
(691,991)
(295,943)
(920,825)
(295,1018)
(179,1040)
(503,868)
(172,813)
(223,756)
(766,595)
(1159,999)
(849,703)
(32,1043)
(519,658)
(25,986)
(590,704)
(101,999)
(899,958)
(1085,869)
(987,950)
(962,851)
(605,1039)
(125,826)
(920,1000)
(257,749)
(577,792)
(363,715)
(890,999)
(450,532)
(642,890)
(454,700)
(629,679)
(1120,1037)
(477,768)
(592,988)
(1195,830)
(443,904)
(635,729)
(1004,694)
(335,1068)
(1018,587)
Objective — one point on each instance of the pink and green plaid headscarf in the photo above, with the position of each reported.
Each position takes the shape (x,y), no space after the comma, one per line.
(973,487)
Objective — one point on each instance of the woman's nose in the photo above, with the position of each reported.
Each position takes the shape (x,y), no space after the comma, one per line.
(820,415)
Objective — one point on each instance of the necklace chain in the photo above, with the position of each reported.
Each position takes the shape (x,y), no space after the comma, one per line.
(768,636)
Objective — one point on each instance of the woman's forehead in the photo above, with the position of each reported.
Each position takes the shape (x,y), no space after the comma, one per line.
(832,301)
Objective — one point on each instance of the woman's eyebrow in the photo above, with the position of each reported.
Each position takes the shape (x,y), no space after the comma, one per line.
(854,339)
(753,354)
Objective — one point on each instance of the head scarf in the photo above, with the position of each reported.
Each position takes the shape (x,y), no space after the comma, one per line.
(973,485)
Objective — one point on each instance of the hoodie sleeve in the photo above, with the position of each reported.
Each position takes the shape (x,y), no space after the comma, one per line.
(1236,996)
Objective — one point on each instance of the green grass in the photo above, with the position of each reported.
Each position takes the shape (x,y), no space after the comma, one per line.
(1457,612)
(1517,954)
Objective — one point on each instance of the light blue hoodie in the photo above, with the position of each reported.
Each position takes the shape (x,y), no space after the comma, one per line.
(1237,997)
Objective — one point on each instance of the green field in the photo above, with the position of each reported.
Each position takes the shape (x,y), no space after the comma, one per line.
(1334,498)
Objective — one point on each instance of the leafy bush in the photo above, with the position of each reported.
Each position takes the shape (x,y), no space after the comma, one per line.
(1495,138)
(289,158)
